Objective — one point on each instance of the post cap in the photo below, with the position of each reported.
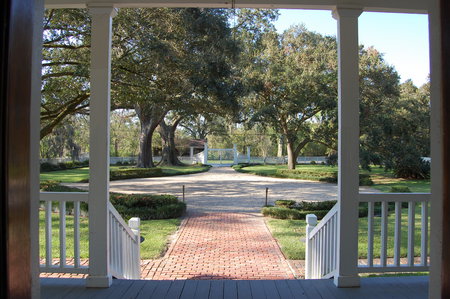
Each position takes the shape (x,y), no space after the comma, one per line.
(134,223)
(311,219)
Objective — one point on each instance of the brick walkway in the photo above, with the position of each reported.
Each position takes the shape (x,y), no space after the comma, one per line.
(217,246)
(221,246)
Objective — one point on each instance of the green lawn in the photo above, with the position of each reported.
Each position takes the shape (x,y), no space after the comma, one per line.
(155,232)
(79,174)
(383,180)
(290,235)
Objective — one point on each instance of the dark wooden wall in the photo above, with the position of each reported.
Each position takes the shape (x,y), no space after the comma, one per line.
(15,84)
(445,37)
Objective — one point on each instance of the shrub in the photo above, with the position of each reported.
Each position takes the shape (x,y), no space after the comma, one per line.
(132,173)
(282,213)
(409,167)
(400,189)
(46,167)
(332,159)
(293,214)
(313,163)
(146,206)
(365,180)
(285,203)
(315,205)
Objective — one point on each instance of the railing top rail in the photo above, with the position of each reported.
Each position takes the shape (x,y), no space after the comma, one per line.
(394,197)
(120,219)
(64,196)
(325,219)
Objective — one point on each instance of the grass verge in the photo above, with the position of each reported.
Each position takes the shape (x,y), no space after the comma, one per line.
(383,181)
(290,235)
(155,232)
(82,174)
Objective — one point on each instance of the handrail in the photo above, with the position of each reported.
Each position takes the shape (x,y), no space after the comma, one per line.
(324,220)
(124,244)
(321,245)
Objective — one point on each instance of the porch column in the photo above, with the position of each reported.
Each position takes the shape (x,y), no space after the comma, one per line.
(99,273)
(348,147)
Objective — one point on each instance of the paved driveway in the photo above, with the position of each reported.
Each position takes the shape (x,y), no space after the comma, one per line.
(224,190)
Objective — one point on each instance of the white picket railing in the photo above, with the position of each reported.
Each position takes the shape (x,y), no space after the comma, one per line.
(124,244)
(321,240)
(63,198)
(397,264)
(124,241)
(321,245)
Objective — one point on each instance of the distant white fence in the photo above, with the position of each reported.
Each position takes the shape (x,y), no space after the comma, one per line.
(214,155)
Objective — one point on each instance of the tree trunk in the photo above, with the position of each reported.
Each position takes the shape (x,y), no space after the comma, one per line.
(294,152)
(149,117)
(169,151)
(292,158)
(280,140)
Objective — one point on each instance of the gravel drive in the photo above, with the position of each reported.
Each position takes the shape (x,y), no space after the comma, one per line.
(222,189)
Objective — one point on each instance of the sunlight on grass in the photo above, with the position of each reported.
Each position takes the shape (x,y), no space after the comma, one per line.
(80,174)
(290,235)
(383,180)
(155,232)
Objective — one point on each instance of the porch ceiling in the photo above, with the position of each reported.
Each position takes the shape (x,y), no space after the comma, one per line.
(408,6)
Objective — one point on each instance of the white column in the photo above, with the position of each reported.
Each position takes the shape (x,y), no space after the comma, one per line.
(191,154)
(437,163)
(235,154)
(248,154)
(205,154)
(99,273)
(348,147)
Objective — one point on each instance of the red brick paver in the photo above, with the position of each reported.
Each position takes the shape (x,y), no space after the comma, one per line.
(216,246)
(221,246)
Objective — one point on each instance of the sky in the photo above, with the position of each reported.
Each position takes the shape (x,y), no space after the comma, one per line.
(402,38)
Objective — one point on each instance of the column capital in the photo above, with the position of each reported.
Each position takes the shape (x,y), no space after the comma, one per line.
(102,9)
(346,11)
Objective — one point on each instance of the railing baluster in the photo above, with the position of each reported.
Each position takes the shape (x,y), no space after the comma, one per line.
(384,234)
(62,234)
(370,234)
(48,234)
(411,228)
(76,233)
(397,233)
(424,234)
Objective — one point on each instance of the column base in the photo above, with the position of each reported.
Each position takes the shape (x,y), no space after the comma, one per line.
(98,281)
(347,281)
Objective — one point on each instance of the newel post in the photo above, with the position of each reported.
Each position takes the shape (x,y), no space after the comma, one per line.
(311,222)
(100,106)
(134,224)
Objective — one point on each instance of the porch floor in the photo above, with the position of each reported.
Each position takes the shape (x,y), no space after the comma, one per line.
(376,287)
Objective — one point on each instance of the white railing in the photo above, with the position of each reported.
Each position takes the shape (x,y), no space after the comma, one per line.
(63,198)
(321,245)
(382,201)
(124,244)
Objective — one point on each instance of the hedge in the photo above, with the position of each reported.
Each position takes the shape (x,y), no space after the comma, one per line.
(47,167)
(134,173)
(293,214)
(144,206)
